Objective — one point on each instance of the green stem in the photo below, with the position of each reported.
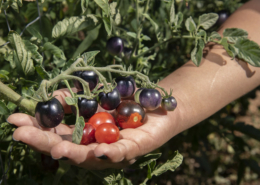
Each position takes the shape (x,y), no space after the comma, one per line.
(9,95)
(68,86)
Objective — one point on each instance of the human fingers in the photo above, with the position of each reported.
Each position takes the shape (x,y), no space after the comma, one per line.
(39,140)
(83,156)
(21,119)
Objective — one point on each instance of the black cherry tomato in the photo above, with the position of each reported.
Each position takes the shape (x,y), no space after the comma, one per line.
(101,118)
(126,86)
(49,114)
(107,133)
(129,114)
(110,100)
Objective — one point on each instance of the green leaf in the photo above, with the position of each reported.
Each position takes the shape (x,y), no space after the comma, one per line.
(113,8)
(149,172)
(171,165)
(22,55)
(33,31)
(151,21)
(172,12)
(207,20)
(4,74)
(145,37)
(34,50)
(131,34)
(84,6)
(54,50)
(108,25)
(125,181)
(118,18)
(71,101)
(103,4)
(197,52)
(78,131)
(214,35)
(145,160)
(72,25)
(42,72)
(190,24)
(89,57)
(227,47)
(3,109)
(178,19)
(203,34)
(232,34)
(249,51)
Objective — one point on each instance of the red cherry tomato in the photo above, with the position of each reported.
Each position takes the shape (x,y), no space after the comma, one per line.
(129,114)
(100,118)
(88,134)
(107,133)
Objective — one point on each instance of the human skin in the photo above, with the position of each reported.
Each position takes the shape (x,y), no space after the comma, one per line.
(200,92)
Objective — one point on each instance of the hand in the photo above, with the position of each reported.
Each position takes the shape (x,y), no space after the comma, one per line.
(132,143)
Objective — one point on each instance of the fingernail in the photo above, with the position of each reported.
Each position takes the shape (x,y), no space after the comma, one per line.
(62,158)
(104,157)
(18,141)
(14,139)
(14,126)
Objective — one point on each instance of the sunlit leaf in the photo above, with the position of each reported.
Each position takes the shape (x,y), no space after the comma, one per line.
(233,34)
(190,24)
(207,20)
(78,131)
(197,52)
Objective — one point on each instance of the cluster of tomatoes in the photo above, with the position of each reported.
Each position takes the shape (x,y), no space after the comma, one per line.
(102,127)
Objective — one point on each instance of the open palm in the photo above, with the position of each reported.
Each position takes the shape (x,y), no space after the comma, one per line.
(55,142)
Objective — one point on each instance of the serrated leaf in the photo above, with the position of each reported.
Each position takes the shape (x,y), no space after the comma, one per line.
(172,12)
(22,55)
(108,25)
(207,20)
(54,50)
(78,131)
(197,52)
(89,57)
(151,21)
(72,25)
(71,101)
(232,34)
(42,72)
(190,24)
(3,109)
(178,19)
(214,35)
(34,50)
(103,4)
(145,160)
(131,34)
(171,165)
(249,51)
(84,6)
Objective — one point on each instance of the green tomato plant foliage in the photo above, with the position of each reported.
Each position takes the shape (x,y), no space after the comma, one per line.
(43,42)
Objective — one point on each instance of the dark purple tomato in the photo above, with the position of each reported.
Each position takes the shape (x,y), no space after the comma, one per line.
(137,94)
(76,83)
(150,99)
(49,114)
(110,100)
(87,107)
(115,45)
(126,86)
(127,52)
(89,76)
(223,15)
(169,103)
(88,134)
(129,114)
(49,164)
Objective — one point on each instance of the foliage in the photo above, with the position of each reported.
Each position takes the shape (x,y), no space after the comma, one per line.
(163,35)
